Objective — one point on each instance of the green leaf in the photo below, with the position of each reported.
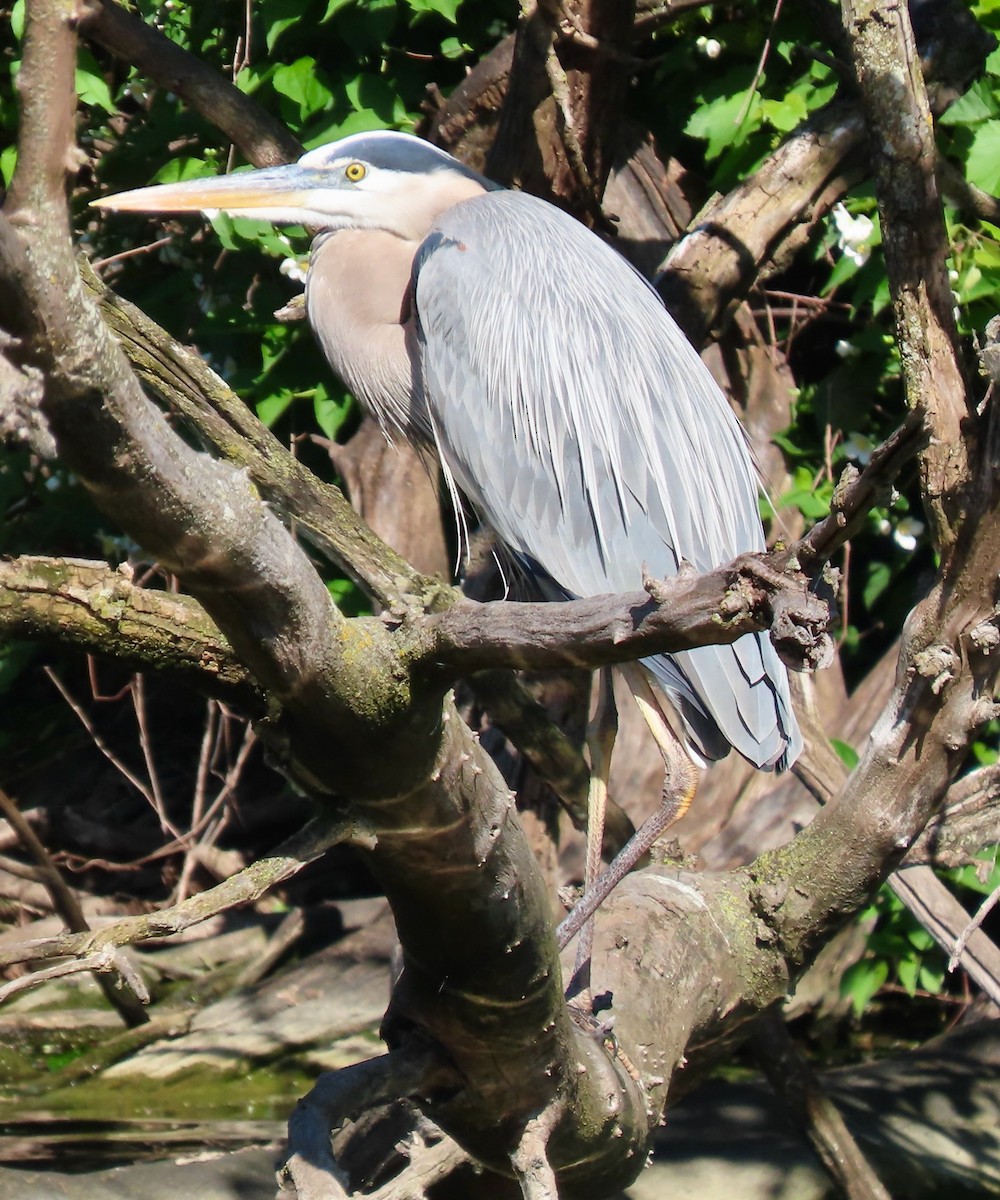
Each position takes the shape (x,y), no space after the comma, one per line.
(444,8)
(784,115)
(330,412)
(91,86)
(982,877)
(907,970)
(299,82)
(846,753)
(274,407)
(978,104)
(983,163)
(879,578)
(717,122)
(8,161)
(862,980)
(931,978)
(179,169)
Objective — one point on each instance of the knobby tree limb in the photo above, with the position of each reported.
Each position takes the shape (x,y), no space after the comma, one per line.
(904,156)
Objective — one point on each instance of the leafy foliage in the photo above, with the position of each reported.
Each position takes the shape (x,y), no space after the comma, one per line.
(332,67)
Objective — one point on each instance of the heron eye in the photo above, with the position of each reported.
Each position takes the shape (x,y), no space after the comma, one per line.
(355,171)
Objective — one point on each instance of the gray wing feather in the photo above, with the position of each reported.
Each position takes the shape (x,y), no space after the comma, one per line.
(576,417)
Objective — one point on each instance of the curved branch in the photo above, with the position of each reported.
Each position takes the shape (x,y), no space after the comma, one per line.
(263,140)
(340,1096)
(753,593)
(100,611)
(188,386)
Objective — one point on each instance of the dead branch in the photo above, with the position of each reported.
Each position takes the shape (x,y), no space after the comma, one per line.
(244,888)
(429,1165)
(808,1106)
(105,960)
(530,1159)
(185,383)
(128,1003)
(309,1165)
(755,592)
(99,610)
(969,820)
(685,611)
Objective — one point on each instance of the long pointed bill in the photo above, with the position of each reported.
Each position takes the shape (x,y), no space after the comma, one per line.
(285,195)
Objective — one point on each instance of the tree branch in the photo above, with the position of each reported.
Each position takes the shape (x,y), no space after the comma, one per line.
(753,593)
(244,887)
(262,139)
(916,248)
(340,1096)
(100,611)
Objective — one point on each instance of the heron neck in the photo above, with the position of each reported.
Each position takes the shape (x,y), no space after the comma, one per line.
(357,299)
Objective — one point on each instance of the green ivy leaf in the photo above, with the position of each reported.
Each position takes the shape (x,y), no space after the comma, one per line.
(716,122)
(274,407)
(845,752)
(8,161)
(983,163)
(907,970)
(862,980)
(176,170)
(784,115)
(330,411)
(444,8)
(299,82)
(978,104)
(91,86)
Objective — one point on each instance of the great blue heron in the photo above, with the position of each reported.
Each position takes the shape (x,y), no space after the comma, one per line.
(560,396)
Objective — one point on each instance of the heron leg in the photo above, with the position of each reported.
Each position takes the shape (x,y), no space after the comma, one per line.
(679,788)
(601,733)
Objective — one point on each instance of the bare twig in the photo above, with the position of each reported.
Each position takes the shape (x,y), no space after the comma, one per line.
(129,1004)
(105,960)
(530,1159)
(138,693)
(428,1166)
(243,888)
(980,915)
(142,787)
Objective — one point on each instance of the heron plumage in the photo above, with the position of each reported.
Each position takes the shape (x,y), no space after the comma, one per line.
(562,398)
(571,410)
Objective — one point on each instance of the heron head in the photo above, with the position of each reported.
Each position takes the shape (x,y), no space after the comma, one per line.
(381,180)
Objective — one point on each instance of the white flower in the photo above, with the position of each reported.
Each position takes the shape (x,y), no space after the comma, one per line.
(859,447)
(853,234)
(294,269)
(710,47)
(906,533)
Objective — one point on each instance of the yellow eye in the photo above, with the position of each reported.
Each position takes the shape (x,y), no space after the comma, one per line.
(355,171)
